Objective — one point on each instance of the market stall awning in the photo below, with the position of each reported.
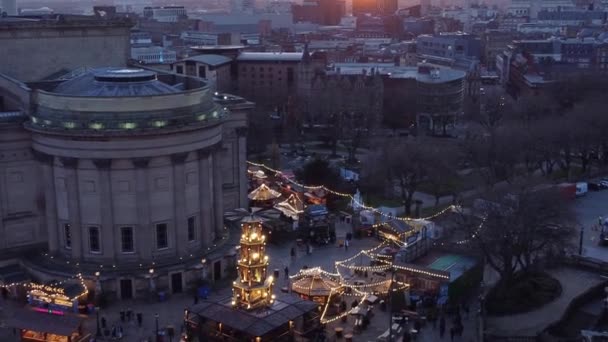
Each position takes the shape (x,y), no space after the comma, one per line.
(63,325)
(264,193)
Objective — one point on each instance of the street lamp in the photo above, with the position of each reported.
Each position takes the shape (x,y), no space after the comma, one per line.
(204,270)
(98,334)
(156,317)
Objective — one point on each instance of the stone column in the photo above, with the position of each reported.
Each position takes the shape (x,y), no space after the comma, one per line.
(218,192)
(179,204)
(107,236)
(144,236)
(50,199)
(242,164)
(205,181)
(71,178)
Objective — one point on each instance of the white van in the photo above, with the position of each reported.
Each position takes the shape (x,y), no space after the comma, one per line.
(581,189)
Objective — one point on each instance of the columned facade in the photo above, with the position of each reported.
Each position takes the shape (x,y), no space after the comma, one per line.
(124,172)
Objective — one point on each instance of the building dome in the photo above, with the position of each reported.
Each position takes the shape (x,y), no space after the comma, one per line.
(116,82)
(121,101)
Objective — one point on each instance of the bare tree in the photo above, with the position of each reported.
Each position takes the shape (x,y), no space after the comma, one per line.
(403,166)
(519,228)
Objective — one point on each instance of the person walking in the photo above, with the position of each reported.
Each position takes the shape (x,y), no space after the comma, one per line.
(441,326)
(286,270)
(195,299)
(293,253)
(140,319)
(346,243)
(452,333)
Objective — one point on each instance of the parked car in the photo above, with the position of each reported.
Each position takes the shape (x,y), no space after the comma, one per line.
(594,186)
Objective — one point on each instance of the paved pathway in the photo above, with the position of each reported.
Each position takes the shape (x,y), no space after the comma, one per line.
(574,282)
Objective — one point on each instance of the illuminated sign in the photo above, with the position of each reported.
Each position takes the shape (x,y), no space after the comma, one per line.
(50,311)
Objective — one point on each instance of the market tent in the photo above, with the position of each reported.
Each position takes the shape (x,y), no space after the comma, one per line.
(264,193)
(63,325)
(313,282)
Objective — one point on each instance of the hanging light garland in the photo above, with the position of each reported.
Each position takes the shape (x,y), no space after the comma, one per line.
(351,197)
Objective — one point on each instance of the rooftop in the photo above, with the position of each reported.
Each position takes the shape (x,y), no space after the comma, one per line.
(255,323)
(210,59)
(271,56)
(61,20)
(115,82)
(392,71)
(216,47)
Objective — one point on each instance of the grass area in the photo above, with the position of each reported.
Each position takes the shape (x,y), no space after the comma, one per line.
(528,291)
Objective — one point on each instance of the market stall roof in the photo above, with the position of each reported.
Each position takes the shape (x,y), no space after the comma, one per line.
(292,206)
(63,325)
(317,210)
(314,284)
(264,193)
(253,215)
(255,323)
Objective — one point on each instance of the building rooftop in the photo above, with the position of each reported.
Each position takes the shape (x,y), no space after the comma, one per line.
(115,82)
(210,59)
(271,56)
(61,20)
(392,71)
(255,323)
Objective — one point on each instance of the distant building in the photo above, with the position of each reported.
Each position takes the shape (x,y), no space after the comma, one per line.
(323,12)
(215,68)
(268,77)
(210,38)
(494,42)
(153,55)
(429,96)
(71,40)
(526,67)
(9,7)
(455,50)
(375,7)
(167,14)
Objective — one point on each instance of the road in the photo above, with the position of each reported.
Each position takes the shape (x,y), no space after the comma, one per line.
(588,209)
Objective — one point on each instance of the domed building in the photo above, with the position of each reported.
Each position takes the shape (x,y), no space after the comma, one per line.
(135,171)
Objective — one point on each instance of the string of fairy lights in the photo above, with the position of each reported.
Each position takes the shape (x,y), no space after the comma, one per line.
(53,289)
(349,196)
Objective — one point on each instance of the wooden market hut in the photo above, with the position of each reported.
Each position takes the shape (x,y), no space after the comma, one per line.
(46,325)
(289,317)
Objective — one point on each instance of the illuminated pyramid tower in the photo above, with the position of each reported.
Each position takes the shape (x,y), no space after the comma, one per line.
(253,288)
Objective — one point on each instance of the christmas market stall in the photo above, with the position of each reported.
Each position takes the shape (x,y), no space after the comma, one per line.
(315,284)
(47,325)
(287,318)
(263,196)
(292,207)
(62,296)
(317,225)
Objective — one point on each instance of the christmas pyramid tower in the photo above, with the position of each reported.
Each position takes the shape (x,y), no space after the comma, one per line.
(253,287)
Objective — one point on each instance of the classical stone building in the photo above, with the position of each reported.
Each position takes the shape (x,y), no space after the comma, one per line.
(125,172)
(59,43)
